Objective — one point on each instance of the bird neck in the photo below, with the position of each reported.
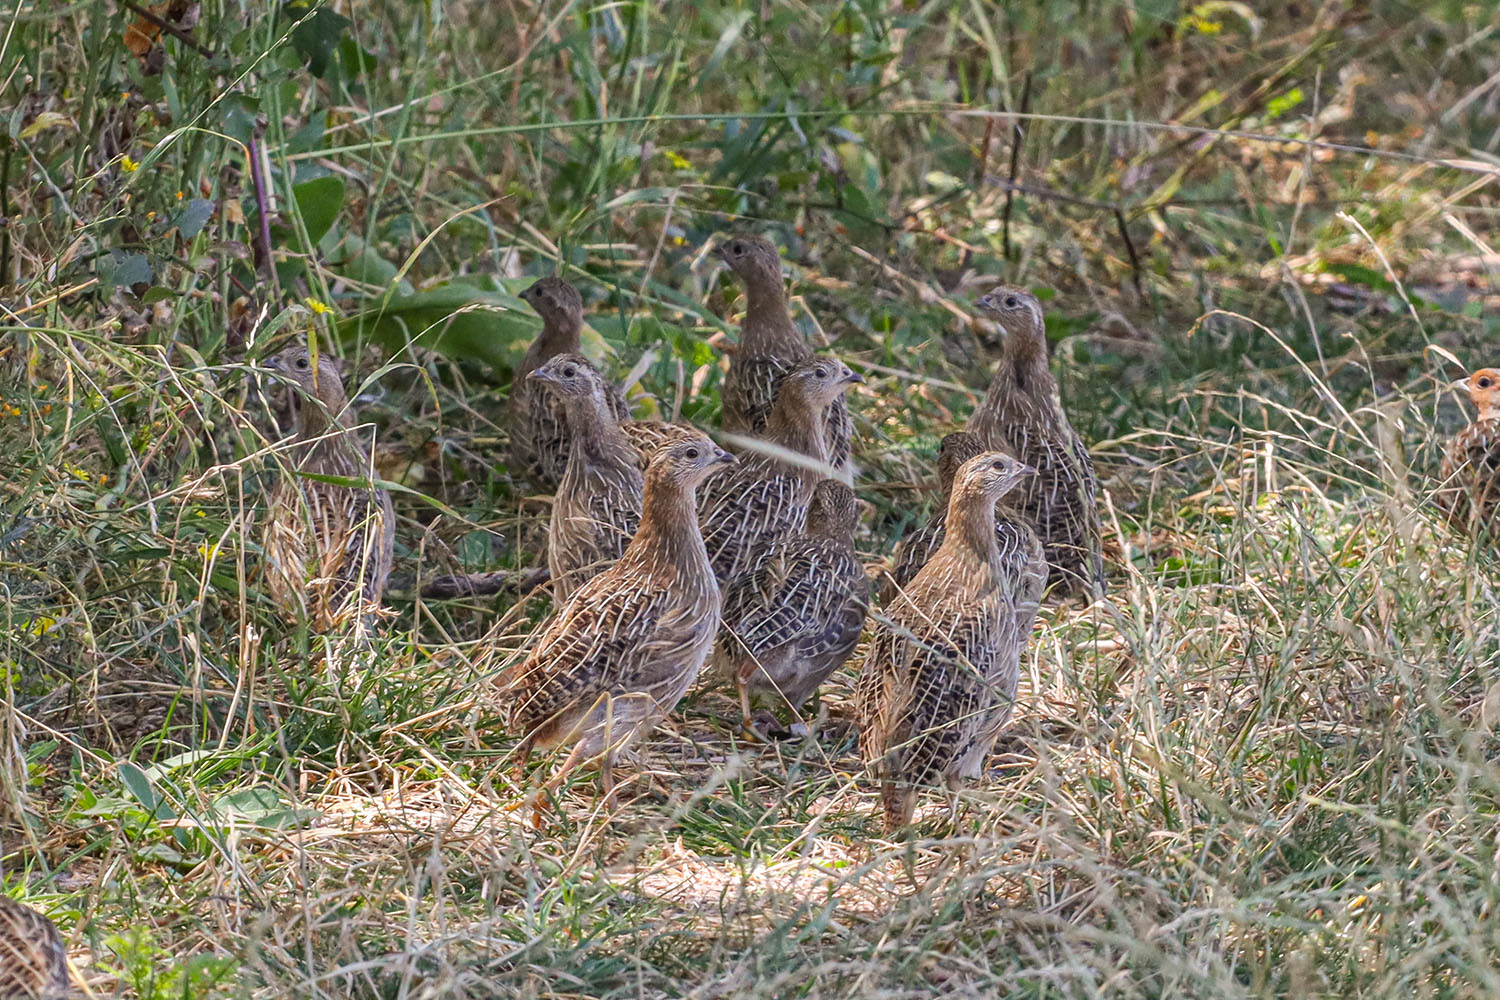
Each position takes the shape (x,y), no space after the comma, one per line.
(595,433)
(971,524)
(561,334)
(796,423)
(668,535)
(1023,374)
(767,328)
(330,443)
(829,531)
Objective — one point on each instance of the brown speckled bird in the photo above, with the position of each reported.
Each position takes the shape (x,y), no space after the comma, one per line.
(918,547)
(942,670)
(598,504)
(770,345)
(1021,414)
(327,547)
(624,650)
(794,621)
(538,428)
(33,959)
(765,498)
(1470,476)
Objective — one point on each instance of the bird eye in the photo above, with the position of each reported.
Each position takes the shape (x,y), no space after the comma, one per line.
(692,453)
(569,372)
(736,248)
(302,362)
(1011,302)
(1486,382)
(822,373)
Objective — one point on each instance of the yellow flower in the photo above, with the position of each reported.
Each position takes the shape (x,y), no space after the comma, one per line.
(179,195)
(677,160)
(41,625)
(318,307)
(208,551)
(128,165)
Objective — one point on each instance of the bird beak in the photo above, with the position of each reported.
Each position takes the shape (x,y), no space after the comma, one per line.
(273,363)
(540,375)
(721,251)
(853,376)
(723,458)
(1462,383)
(985,302)
(1026,470)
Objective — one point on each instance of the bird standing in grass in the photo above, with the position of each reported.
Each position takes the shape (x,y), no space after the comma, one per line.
(538,427)
(795,620)
(1470,476)
(33,959)
(327,545)
(769,347)
(765,498)
(1022,414)
(940,678)
(598,504)
(625,648)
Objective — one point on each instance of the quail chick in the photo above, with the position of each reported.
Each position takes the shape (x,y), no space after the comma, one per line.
(1023,415)
(327,547)
(33,960)
(795,620)
(1470,476)
(538,428)
(769,346)
(941,674)
(598,503)
(765,498)
(916,548)
(623,651)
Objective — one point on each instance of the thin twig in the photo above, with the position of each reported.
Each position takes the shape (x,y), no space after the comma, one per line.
(178,33)
(263,207)
(1018,137)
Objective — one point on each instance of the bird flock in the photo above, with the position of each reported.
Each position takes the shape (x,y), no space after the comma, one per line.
(671,559)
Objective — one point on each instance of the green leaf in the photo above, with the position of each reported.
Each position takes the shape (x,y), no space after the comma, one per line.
(318,202)
(194,215)
(317,36)
(120,268)
(139,785)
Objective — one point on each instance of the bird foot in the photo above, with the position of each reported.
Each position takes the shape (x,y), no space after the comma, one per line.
(764,727)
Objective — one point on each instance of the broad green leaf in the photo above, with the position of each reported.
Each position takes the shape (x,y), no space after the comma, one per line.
(318,202)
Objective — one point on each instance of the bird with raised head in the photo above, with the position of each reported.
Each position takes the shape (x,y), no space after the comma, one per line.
(33,958)
(328,546)
(797,618)
(622,652)
(1023,415)
(538,427)
(597,507)
(765,498)
(940,677)
(1469,487)
(769,347)
(917,547)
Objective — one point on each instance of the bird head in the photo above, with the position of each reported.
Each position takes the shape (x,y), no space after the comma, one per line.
(322,381)
(1017,310)
(820,381)
(554,299)
(569,376)
(994,474)
(1484,391)
(691,459)
(751,258)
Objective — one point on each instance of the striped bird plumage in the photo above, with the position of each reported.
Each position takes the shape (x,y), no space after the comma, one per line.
(770,347)
(598,504)
(538,426)
(940,678)
(33,958)
(328,546)
(622,652)
(794,621)
(1022,415)
(1469,487)
(764,499)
